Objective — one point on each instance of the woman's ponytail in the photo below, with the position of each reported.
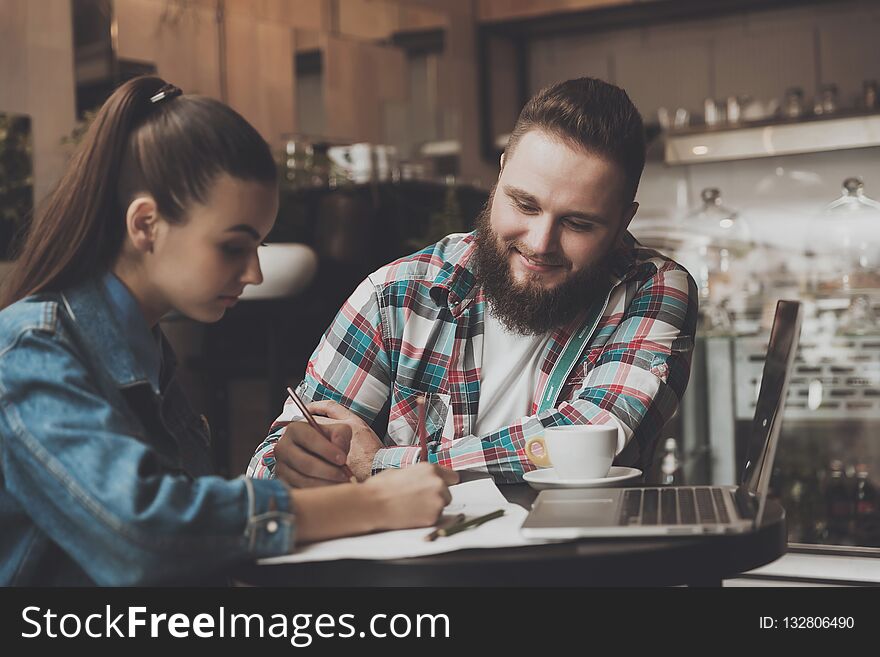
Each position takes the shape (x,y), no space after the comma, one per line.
(78,230)
(141,141)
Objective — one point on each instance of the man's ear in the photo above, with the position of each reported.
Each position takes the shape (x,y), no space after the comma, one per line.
(141,220)
(628,215)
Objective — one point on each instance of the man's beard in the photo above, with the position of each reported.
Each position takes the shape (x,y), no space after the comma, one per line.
(527,308)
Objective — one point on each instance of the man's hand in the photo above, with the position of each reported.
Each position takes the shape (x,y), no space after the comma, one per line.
(364,443)
(304,458)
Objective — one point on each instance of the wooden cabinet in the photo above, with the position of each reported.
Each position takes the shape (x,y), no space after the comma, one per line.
(502,10)
(182,44)
(36,79)
(358,77)
(260,75)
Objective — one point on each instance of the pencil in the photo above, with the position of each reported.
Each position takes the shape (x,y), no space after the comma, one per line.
(420,430)
(317,427)
(473,522)
(454,521)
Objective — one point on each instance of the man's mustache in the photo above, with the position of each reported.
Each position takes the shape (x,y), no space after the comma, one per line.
(540,259)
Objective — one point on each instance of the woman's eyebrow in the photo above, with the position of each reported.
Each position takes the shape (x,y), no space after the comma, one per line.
(244,228)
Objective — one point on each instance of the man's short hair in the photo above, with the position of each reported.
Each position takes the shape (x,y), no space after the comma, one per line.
(590,114)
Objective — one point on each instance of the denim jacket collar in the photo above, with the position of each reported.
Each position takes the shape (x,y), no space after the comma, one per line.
(93,312)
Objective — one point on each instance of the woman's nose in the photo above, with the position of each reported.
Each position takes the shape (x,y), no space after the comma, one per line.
(253,275)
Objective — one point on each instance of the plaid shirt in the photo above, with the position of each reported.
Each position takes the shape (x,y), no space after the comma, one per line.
(415,328)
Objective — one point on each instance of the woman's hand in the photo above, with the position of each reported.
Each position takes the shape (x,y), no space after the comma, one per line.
(411,497)
(393,499)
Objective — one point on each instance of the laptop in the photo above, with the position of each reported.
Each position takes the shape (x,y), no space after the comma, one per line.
(685,510)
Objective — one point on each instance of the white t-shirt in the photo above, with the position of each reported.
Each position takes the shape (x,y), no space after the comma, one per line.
(508,374)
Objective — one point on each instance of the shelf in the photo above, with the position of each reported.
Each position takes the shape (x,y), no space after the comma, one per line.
(440,148)
(769,139)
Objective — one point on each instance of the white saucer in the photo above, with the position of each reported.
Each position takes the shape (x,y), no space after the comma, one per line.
(547,478)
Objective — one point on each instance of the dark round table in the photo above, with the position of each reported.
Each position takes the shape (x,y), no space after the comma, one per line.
(666,561)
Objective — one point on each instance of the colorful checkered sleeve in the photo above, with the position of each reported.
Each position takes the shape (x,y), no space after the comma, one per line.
(262,465)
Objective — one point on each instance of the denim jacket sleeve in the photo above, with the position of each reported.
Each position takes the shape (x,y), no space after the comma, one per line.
(72,460)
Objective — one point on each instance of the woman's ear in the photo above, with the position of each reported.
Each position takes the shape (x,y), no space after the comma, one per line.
(141,221)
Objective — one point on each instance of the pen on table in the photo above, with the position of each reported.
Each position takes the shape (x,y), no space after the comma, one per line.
(453,521)
(420,430)
(314,424)
(467,524)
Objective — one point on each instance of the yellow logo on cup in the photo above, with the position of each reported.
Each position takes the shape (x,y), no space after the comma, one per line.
(575,451)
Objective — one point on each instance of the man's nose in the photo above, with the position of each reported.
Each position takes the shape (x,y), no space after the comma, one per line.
(543,235)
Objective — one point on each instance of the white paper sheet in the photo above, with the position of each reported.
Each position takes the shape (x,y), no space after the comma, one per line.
(474,498)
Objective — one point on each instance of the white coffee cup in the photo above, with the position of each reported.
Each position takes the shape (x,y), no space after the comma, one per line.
(576,451)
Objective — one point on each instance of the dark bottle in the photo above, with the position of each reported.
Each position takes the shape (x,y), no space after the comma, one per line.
(670,467)
(812,521)
(867,521)
(840,506)
(794,509)
(819,525)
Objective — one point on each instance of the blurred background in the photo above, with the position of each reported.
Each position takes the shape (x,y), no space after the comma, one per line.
(388,118)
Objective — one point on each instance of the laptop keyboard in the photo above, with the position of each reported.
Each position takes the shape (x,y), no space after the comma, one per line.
(699,505)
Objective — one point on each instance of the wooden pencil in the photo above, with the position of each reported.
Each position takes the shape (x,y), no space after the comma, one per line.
(317,427)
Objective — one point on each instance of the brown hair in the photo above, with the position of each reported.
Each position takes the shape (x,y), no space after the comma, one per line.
(172,149)
(589,114)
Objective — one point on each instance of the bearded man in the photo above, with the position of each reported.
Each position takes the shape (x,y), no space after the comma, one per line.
(548,314)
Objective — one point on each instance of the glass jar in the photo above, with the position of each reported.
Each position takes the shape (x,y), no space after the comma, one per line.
(793,104)
(300,164)
(843,251)
(715,247)
(844,244)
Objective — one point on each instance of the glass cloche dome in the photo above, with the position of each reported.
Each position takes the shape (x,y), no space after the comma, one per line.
(845,244)
(714,247)
(843,251)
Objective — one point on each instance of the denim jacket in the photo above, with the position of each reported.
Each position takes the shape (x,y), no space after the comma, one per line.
(105,476)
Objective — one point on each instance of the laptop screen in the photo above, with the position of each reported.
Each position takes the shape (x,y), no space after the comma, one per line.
(768,411)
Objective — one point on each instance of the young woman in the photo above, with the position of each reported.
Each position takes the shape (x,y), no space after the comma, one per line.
(105,472)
